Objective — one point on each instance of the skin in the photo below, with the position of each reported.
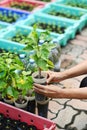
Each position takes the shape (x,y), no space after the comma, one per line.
(54,91)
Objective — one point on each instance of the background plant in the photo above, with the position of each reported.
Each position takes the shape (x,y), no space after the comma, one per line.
(11,81)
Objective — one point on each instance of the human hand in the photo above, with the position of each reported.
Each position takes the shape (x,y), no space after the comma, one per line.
(53,77)
(51,91)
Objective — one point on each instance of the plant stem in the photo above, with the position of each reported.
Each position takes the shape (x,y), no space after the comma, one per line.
(39,72)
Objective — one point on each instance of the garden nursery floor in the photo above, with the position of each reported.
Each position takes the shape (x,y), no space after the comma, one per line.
(68,113)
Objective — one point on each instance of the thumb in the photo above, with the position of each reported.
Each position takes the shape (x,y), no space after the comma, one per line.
(49,80)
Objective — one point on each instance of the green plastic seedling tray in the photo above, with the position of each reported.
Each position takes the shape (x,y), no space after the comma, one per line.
(66,10)
(64,2)
(7,44)
(41,17)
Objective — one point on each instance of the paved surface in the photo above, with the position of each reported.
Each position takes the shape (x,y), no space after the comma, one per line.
(71,112)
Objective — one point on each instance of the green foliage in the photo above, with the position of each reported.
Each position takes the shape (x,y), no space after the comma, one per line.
(41,52)
(10,81)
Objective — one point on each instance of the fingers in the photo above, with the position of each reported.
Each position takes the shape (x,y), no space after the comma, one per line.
(39,86)
(49,80)
(42,90)
(49,77)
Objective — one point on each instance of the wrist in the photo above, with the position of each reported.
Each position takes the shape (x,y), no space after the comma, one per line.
(62,76)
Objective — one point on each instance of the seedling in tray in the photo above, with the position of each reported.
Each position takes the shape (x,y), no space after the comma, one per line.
(23,6)
(65,14)
(51,27)
(77,4)
(20,38)
(10,18)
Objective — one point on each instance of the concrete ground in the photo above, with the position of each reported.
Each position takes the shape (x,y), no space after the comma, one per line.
(71,112)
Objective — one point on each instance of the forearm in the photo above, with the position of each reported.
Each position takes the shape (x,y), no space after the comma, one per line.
(76,93)
(78,70)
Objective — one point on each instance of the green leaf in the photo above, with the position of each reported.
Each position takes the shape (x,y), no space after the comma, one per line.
(2,85)
(50,64)
(8,61)
(26,73)
(10,91)
(42,64)
(2,73)
(28,48)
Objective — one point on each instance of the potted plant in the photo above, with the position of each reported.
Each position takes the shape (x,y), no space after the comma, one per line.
(14,82)
(29,69)
(8,64)
(24,84)
(41,58)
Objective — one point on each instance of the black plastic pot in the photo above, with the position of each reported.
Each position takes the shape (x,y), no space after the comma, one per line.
(41,100)
(41,80)
(43,109)
(31,106)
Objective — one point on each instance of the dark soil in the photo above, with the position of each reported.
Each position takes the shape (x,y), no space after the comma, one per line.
(11,124)
(65,14)
(23,6)
(10,18)
(23,39)
(21,101)
(51,27)
(75,4)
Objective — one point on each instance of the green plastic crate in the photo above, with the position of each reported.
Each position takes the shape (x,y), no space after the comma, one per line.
(7,44)
(81,3)
(70,32)
(74,12)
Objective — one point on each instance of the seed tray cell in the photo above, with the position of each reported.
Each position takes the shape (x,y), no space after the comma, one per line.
(12,14)
(67,26)
(29,118)
(81,4)
(24,5)
(73,15)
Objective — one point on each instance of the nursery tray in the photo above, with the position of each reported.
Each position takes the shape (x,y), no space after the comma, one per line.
(29,118)
(74,2)
(69,33)
(21,15)
(35,4)
(7,44)
(65,10)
